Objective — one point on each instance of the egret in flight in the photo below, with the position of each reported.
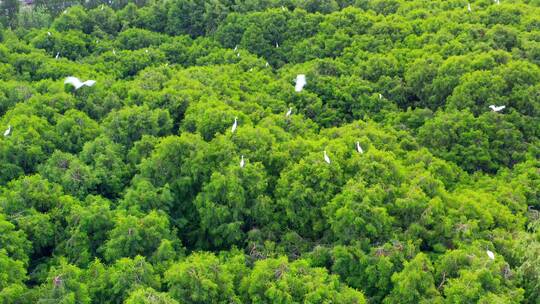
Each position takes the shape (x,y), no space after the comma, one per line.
(358,148)
(288,112)
(326,158)
(74,81)
(242,162)
(300,82)
(490,254)
(495,108)
(235,124)
(8,131)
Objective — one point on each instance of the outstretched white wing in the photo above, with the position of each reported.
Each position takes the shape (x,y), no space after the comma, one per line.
(74,81)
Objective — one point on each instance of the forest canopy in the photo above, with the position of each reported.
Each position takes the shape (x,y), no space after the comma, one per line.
(191,166)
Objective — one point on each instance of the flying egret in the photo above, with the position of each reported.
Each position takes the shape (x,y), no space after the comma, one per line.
(490,254)
(57,55)
(242,162)
(74,81)
(288,112)
(326,158)
(495,108)
(469,7)
(358,148)
(300,82)
(235,124)
(8,131)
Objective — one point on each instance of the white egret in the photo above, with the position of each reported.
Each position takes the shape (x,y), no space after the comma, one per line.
(49,33)
(288,112)
(114,52)
(236,48)
(490,254)
(277,45)
(495,108)
(235,124)
(74,81)
(283,8)
(146,51)
(469,7)
(359,148)
(251,69)
(267,64)
(242,162)
(102,7)
(8,131)
(300,82)
(237,54)
(57,55)
(380,96)
(326,158)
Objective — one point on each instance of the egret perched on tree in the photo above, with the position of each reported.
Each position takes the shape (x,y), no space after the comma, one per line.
(57,55)
(380,96)
(490,254)
(242,162)
(74,81)
(236,48)
(289,112)
(358,148)
(49,33)
(235,124)
(300,82)
(114,52)
(326,158)
(8,131)
(267,64)
(495,108)
(277,45)
(469,7)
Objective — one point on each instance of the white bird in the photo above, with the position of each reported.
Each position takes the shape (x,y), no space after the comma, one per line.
(57,55)
(267,64)
(8,131)
(242,162)
(102,7)
(235,124)
(251,69)
(380,96)
(490,254)
(65,11)
(74,81)
(288,112)
(49,33)
(358,148)
(495,108)
(237,54)
(146,51)
(283,8)
(114,52)
(300,82)
(236,48)
(277,45)
(326,158)
(469,7)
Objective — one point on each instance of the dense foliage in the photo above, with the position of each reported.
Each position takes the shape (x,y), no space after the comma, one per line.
(130,191)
